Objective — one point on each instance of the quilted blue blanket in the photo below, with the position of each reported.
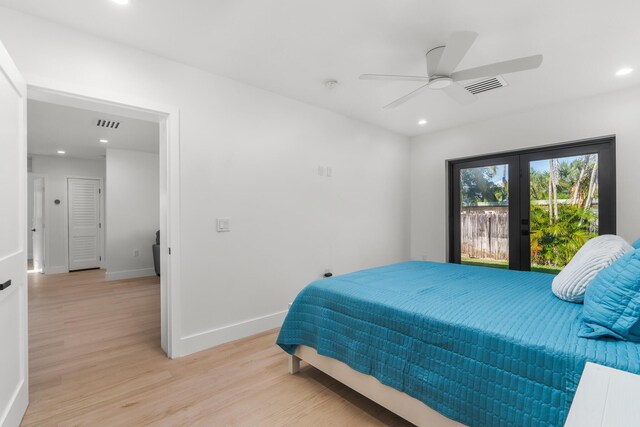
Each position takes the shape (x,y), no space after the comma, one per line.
(481,346)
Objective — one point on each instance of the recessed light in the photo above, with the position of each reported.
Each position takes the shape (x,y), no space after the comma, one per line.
(422,122)
(624,71)
(121,2)
(62,152)
(104,141)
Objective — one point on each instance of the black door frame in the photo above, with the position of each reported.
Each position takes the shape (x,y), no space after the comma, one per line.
(519,215)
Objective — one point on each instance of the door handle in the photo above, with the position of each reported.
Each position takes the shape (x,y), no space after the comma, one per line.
(33,229)
(5,285)
(525,232)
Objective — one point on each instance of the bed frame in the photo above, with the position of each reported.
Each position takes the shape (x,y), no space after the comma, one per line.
(402,404)
(605,396)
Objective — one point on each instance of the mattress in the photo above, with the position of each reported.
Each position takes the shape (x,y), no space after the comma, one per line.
(481,346)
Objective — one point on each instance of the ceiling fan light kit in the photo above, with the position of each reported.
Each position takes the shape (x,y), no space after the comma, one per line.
(441,75)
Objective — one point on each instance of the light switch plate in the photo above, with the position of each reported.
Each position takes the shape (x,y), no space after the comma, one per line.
(223,225)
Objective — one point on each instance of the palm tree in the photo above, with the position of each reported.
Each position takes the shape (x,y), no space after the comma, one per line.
(593,185)
(559,230)
(583,170)
(554,178)
(538,184)
(556,243)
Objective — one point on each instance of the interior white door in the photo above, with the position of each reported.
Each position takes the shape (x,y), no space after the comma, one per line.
(37,225)
(14,383)
(84,223)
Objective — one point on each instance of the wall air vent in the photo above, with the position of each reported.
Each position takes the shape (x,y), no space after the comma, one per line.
(486,84)
(111,124)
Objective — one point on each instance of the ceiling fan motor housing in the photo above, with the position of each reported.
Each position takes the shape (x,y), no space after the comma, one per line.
(439,82)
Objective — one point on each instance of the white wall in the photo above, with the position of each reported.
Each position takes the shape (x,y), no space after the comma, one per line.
(252,156)
(133,212)
(56,171)
(610,114)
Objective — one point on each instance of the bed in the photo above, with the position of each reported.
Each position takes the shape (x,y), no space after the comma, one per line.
(462,344)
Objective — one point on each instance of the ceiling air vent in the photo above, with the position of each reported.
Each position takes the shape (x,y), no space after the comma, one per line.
(486,84)
(111,124)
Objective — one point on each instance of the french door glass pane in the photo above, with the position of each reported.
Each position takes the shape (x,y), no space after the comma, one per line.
(484,216)
(563,209)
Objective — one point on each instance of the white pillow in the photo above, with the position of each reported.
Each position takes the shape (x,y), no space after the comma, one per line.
(597,254)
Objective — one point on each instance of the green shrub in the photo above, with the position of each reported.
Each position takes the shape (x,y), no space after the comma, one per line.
(554,242)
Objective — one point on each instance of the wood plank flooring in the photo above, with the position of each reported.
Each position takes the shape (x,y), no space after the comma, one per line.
(95,360)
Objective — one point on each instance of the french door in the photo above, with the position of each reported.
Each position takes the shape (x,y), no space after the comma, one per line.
(531,209)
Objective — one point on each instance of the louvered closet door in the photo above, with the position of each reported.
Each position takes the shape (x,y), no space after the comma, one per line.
(84,223)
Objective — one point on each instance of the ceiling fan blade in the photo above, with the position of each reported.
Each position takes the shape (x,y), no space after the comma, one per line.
(407,97)
(393,77)
(460,94)
(456,48)
(505,67)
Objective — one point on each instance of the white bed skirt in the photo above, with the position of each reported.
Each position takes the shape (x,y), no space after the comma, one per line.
(407,407)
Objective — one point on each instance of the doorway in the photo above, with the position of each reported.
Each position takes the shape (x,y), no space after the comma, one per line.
(37,225)
(531,209)
(167,166)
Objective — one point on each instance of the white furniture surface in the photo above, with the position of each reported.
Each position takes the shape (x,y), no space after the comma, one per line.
(605,397)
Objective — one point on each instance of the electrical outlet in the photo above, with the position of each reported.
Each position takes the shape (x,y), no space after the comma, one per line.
(136,252)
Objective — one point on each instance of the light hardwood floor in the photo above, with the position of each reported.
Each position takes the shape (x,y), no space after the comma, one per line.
(95,359)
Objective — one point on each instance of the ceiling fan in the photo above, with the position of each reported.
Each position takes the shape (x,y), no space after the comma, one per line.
(441,75)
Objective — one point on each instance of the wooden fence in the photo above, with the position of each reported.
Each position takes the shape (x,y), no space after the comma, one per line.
(485,232)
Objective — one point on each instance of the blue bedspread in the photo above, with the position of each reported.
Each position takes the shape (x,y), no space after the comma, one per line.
(481,346)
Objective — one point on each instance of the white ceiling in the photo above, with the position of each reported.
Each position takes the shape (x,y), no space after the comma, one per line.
(291,46)
(52,127)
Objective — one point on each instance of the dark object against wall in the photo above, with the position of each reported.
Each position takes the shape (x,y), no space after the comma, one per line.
(156,253)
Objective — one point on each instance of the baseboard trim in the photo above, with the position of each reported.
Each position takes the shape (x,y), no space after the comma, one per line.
(214,337)
(17,408)
(56,269)
(129,274)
